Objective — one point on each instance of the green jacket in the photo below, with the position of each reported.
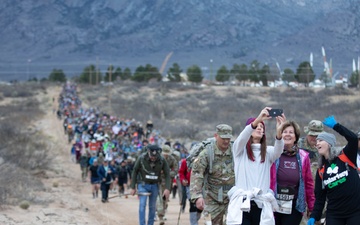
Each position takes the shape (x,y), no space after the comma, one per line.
(150,172)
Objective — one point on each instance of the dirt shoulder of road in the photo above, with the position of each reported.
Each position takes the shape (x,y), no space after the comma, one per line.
(70,199)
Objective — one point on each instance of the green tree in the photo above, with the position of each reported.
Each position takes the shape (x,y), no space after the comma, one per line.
(240,72)
(304,73)
(144,74)
(194,74)
(264,75)
(117,74)
(354,78)
(254,71)
(223,74)
(139,74)
(126,74)
(288,75)
(174,73)
(110,70)
(57,75)
(89,75)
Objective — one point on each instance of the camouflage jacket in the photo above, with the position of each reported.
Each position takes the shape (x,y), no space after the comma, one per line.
(218,183)
(313,155)
(313,152)
(173,165)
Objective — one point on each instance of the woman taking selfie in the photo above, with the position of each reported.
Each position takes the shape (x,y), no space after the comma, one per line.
(251,195)
(291,179)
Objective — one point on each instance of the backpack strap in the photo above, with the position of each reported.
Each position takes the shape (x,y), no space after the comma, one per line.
(210,152)
(321,172)
(345,159)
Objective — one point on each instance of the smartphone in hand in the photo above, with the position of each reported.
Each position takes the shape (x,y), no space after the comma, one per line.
(275,112)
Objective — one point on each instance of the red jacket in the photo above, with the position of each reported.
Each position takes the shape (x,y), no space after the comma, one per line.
(184,172)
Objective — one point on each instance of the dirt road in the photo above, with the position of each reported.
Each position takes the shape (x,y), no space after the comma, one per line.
(71,201)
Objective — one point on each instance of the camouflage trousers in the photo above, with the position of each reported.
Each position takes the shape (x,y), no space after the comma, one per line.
(161,204)
(217,211)
(84,173)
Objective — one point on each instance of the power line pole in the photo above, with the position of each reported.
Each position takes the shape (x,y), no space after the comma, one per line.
(90,75)
(97,70)
(211,70)
(110,72)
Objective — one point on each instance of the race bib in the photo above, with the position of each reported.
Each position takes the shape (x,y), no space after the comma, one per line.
(284,198)
(151,177)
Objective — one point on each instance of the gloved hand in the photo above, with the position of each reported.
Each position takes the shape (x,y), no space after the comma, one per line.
(311,221)
(330,121)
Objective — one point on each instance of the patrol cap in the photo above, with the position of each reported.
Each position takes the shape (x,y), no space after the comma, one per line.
(315,127)
(166,150)
(224,131)
(153,149)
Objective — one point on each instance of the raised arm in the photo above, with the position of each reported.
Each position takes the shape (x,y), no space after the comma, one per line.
(351,147)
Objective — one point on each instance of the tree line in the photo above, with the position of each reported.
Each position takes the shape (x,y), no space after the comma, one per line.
(254,72)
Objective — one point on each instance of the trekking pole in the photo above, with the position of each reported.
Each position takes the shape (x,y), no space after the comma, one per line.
(179,215)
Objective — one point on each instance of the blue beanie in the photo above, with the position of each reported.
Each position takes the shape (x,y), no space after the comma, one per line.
(328,137)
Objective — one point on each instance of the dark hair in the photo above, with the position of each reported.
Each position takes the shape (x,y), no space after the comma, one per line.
(249,151)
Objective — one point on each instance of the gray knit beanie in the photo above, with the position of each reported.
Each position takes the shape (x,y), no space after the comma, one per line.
(328,137)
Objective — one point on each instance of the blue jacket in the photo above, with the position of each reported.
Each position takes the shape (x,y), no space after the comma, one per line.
(103,174)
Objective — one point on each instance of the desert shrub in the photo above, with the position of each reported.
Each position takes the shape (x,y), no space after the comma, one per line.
(55,184)
(24,204)
(13,191)
(22,90)
(23,151)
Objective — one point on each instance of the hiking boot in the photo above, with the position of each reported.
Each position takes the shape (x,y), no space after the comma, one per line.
(162,222)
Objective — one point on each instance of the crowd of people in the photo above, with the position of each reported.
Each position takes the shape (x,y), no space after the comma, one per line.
(247,181)
(106,148)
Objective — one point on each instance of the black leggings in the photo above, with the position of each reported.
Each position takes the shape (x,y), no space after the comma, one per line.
(353,220)
(288,219)
(252,217)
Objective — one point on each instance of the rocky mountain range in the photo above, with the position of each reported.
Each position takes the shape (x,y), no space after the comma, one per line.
(37,36)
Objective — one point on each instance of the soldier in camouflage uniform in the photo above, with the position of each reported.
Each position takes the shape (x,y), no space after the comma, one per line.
(307,143)
(161,205)
(314,128)
(216,183)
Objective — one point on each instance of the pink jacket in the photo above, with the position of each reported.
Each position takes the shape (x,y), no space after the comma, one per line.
(306,177)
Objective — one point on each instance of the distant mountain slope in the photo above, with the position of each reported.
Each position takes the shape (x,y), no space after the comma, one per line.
(71,34)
